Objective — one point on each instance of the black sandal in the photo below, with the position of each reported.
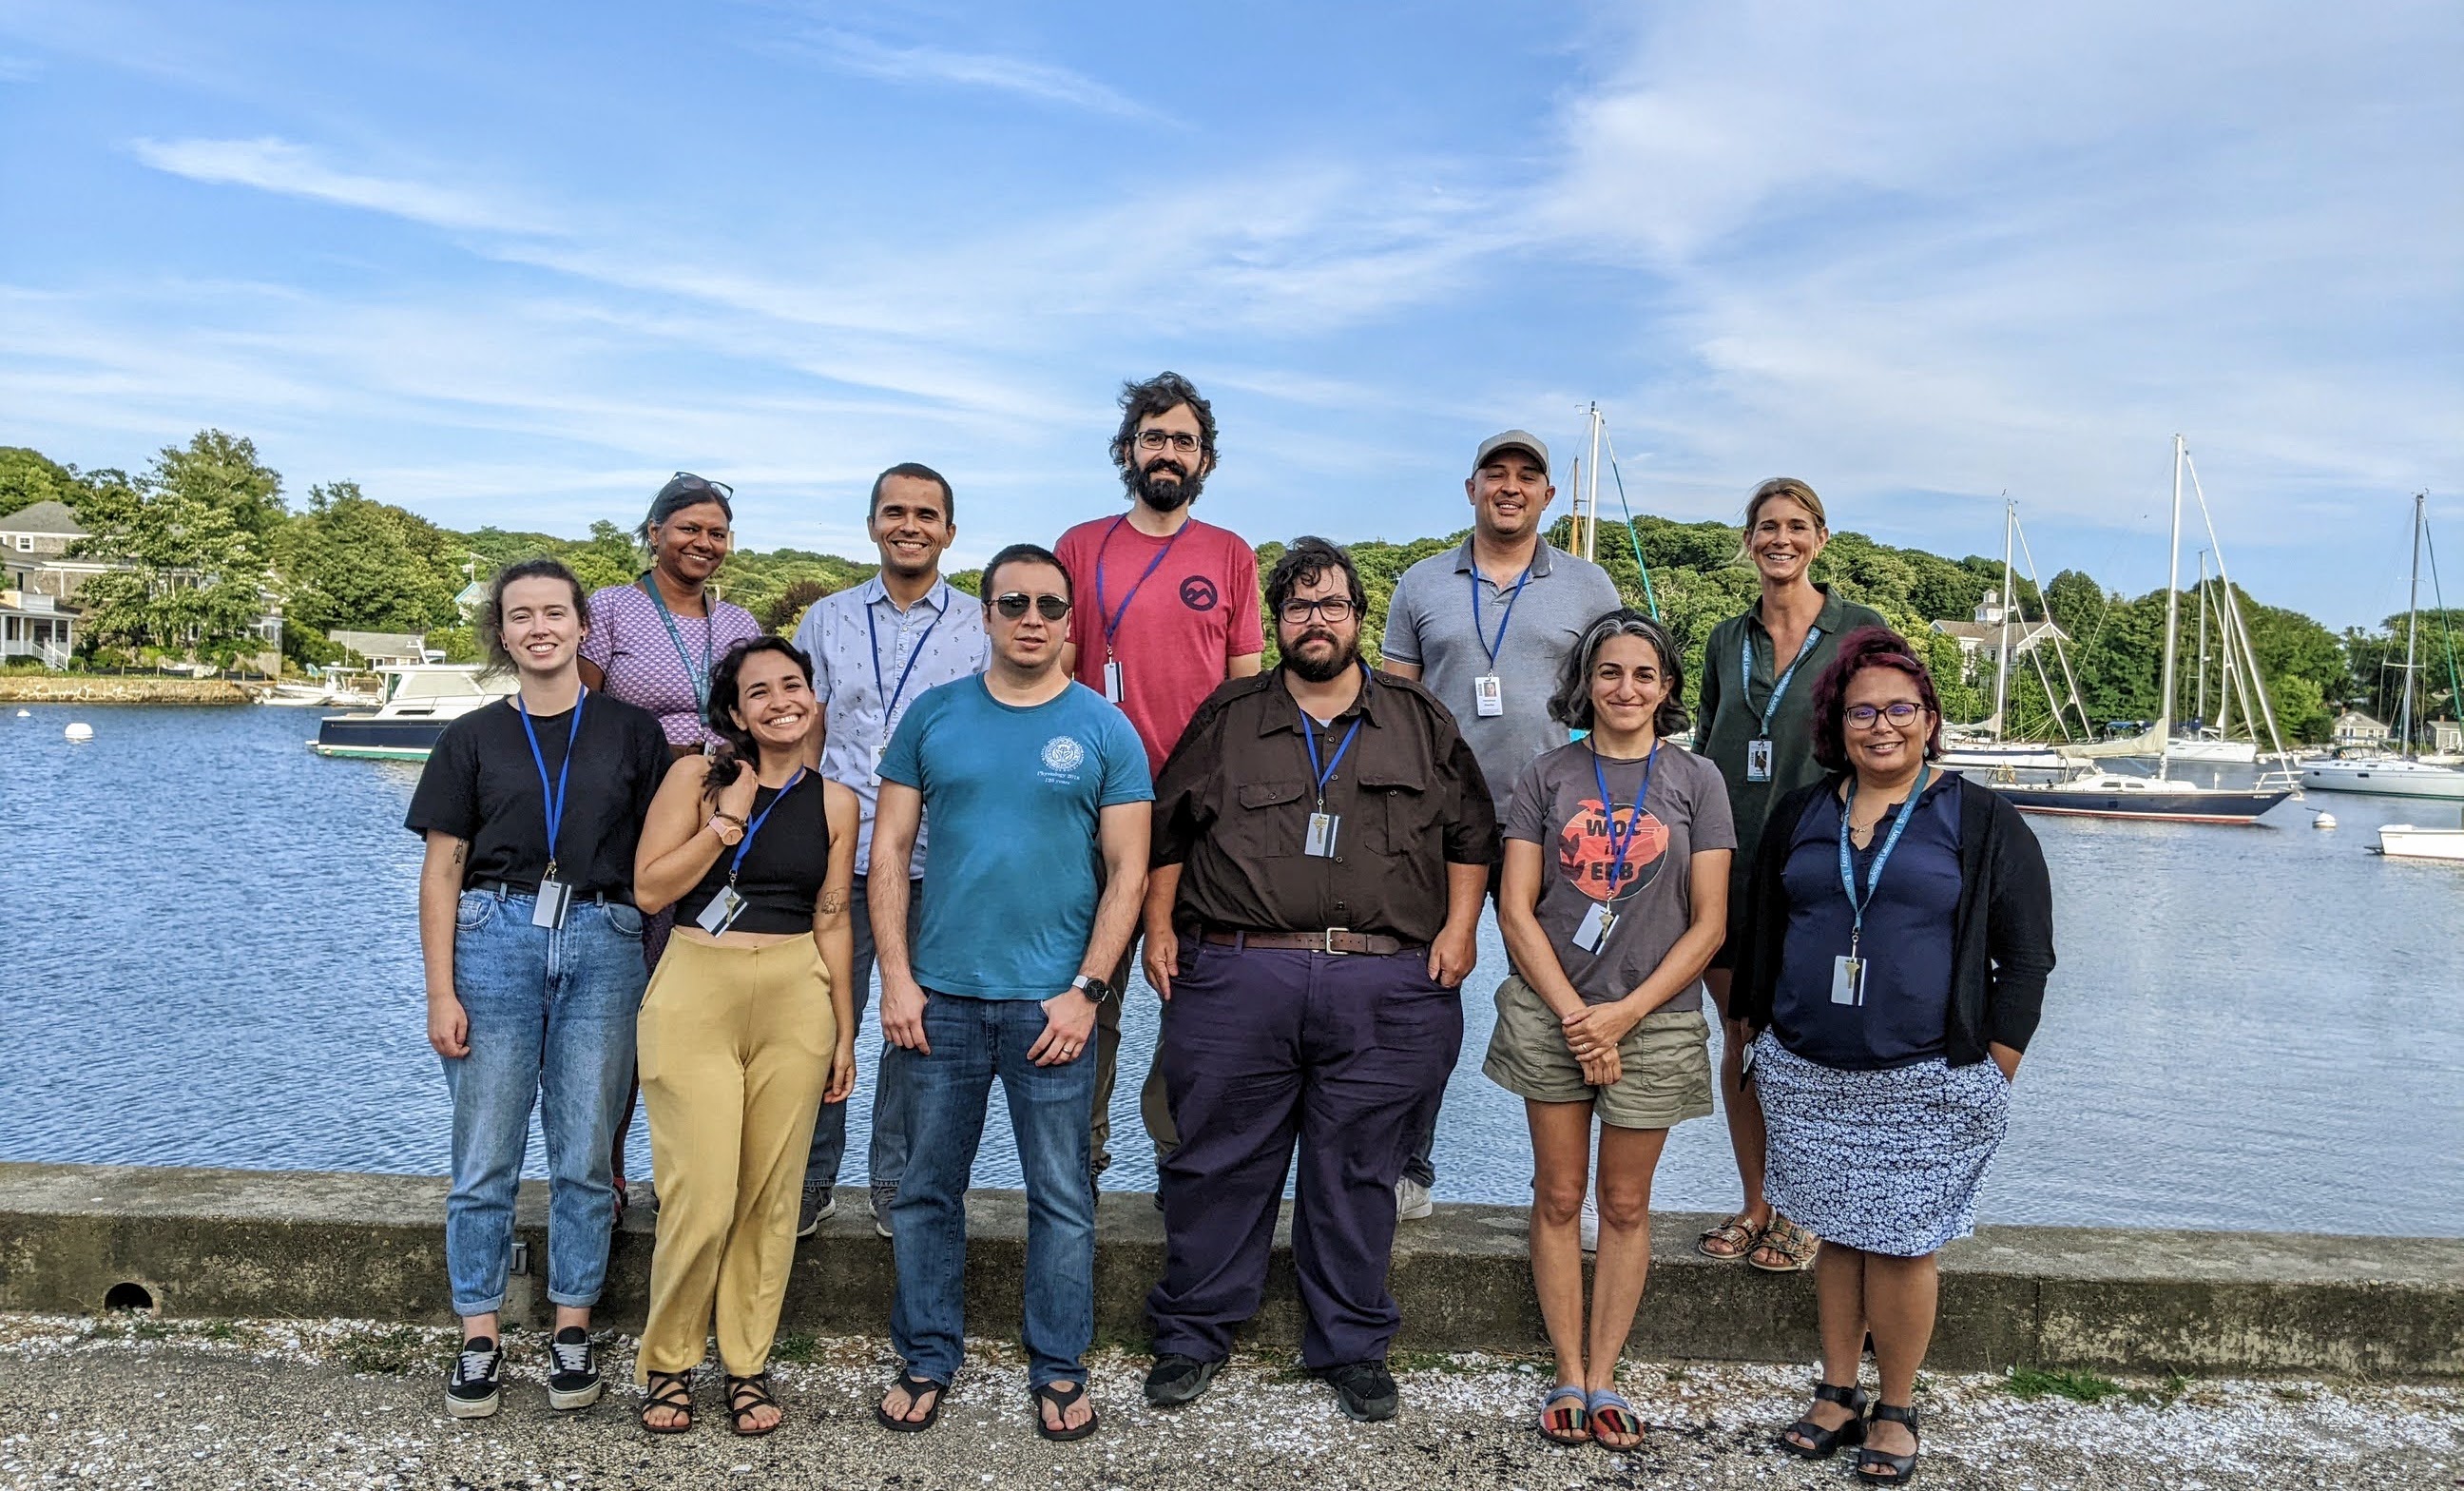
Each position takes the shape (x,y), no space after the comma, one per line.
(1821,1443)
(673,1391)
(1877,1469)
(746,1395)
(914,1388)
(1063,1396)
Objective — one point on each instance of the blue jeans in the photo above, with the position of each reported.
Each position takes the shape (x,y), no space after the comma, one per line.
(973,1041)
(888,1155)
(551,1020)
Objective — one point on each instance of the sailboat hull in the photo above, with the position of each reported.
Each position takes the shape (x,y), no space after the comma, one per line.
(2387,778)
(2158,801)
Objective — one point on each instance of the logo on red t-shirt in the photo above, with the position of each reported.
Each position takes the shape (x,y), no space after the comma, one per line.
(1583,850)
(1198,593)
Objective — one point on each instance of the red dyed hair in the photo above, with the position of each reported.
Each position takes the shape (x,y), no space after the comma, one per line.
(1867,647)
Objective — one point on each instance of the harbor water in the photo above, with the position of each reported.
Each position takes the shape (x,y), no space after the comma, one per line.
(211,958)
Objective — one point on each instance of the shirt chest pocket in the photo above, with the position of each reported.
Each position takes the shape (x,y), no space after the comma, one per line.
(1394,809)
(1268,819)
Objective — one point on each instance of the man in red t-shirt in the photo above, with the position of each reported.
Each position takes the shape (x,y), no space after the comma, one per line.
(1167,610)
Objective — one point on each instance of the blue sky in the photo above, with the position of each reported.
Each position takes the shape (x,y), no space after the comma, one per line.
(514,264)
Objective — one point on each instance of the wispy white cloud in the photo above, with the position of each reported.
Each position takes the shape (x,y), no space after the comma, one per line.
(1022,77)
(288,170)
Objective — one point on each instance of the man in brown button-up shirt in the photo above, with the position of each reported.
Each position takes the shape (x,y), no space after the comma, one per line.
(1323,841)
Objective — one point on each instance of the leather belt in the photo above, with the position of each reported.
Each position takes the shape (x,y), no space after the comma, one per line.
(1333,940)
(500,889)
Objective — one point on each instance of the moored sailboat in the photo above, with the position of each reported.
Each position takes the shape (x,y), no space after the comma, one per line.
(2404,774)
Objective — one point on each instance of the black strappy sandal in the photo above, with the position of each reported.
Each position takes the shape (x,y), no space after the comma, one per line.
(673,1391)
(914,1388)
(1821,1443)
(1877,1469)
(745,1394)
(1063,1396)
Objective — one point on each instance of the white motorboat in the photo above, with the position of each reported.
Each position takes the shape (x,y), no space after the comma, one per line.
(2404,842)
(421,700)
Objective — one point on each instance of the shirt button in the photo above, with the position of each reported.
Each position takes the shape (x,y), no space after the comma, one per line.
(1338,859)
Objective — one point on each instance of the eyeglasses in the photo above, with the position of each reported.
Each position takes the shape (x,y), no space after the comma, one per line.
(1013,605)
(1298,612)
(686,480)
(1863,716)
(1180,441)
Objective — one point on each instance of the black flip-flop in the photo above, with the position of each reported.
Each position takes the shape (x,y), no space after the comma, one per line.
(914,1388)
(1063,1396)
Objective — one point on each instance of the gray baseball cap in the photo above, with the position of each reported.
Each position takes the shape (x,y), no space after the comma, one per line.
(1508,440)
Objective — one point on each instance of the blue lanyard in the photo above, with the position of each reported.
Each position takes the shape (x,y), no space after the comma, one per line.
(744,845)
(1111,619)
(701,681)
(1779,686)
(555,797)
(1308,734)
(1480,631)
(1890,841)
(1618,846)
(890,697)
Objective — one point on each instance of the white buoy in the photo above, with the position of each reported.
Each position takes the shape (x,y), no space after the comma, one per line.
(2324,821)
(79,730)
(23,713)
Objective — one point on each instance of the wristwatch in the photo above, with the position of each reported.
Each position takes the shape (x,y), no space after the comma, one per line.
(730,831)
(1091,987)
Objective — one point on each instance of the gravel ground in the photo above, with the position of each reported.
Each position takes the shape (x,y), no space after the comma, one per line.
(130,1403)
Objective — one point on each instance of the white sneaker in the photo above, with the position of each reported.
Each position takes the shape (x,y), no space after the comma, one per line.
(1411,1201)
(1591,1223)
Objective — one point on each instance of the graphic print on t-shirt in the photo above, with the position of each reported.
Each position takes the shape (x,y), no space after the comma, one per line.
(1584,856)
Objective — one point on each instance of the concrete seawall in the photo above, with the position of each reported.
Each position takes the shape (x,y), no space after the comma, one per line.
(103,688)
(208,1242)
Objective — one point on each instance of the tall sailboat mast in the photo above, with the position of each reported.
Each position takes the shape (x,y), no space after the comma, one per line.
(2411,631)
(2002,654)
(2199,688)
(1593,474)
(2173,622)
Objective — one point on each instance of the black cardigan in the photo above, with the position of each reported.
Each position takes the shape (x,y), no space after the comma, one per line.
(2002,939)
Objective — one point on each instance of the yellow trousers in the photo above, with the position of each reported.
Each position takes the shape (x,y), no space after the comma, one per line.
(735,1054)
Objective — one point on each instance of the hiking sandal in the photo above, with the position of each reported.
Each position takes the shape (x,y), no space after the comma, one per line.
(1608,1409)
(1063,1396)
(1787,1242)
(671,1391)
(1821,1443)
(1566,1425)
(745,1397)
(1736,1234)
(1877,1469)
(914,1388)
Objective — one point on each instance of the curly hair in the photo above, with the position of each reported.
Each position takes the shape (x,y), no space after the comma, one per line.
(1162,394)
(1867,647)
(1308,559)
(737,747)
(1572,704)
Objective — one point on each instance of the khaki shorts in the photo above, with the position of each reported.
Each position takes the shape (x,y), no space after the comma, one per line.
(1667,1060)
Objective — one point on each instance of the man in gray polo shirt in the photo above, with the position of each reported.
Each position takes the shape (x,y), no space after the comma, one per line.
(1485,628)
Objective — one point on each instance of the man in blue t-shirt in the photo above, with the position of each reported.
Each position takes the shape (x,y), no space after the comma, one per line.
(1028,777)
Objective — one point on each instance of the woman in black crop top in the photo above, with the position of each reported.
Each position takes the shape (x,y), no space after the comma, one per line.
(748,1027)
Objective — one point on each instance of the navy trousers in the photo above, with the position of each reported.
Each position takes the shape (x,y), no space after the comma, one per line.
(1262,1051)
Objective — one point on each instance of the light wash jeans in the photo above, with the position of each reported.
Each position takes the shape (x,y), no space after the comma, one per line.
(887,1157)
(973,1041)
(551,1016)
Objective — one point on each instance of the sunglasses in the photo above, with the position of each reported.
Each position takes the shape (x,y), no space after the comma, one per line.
(1013,605)
(687,481)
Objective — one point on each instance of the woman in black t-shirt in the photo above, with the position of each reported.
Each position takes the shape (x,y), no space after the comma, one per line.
(749,1026)
(531,807)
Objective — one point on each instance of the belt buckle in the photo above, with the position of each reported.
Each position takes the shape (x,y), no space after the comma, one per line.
(1328,944)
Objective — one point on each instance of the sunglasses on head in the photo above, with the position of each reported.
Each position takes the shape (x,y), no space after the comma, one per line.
(687,481)
(1013,605)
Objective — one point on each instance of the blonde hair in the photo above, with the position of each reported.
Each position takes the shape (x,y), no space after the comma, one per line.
(1795,491)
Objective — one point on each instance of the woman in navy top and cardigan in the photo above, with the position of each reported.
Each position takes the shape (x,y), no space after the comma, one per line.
(1892,959)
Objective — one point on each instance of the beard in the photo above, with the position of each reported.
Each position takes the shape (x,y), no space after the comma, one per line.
(1315,669)
(1165,487)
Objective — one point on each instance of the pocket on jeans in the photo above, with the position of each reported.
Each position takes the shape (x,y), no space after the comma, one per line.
(474,910)
(624,921)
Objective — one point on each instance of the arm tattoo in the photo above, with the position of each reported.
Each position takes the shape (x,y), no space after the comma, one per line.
(461,852)
(832,903)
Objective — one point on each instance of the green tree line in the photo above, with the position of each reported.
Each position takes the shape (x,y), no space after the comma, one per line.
(211,539)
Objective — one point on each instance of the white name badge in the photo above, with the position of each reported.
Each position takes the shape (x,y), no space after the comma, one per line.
(1112,690)
(1489,696)
(1758,761)
(721,912)
(554,896)
(1847,980)
(1319,842)
(1598,924)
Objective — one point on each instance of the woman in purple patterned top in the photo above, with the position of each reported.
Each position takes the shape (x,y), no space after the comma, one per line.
(652,643)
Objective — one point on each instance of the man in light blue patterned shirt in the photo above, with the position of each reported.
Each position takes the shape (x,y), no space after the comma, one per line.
(876,647)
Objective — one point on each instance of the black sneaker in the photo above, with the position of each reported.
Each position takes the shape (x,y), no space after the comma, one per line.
(573,1378)
(1365,1390)
(471,1388)
(1175,1380)
(821,1203)
(883,1198)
